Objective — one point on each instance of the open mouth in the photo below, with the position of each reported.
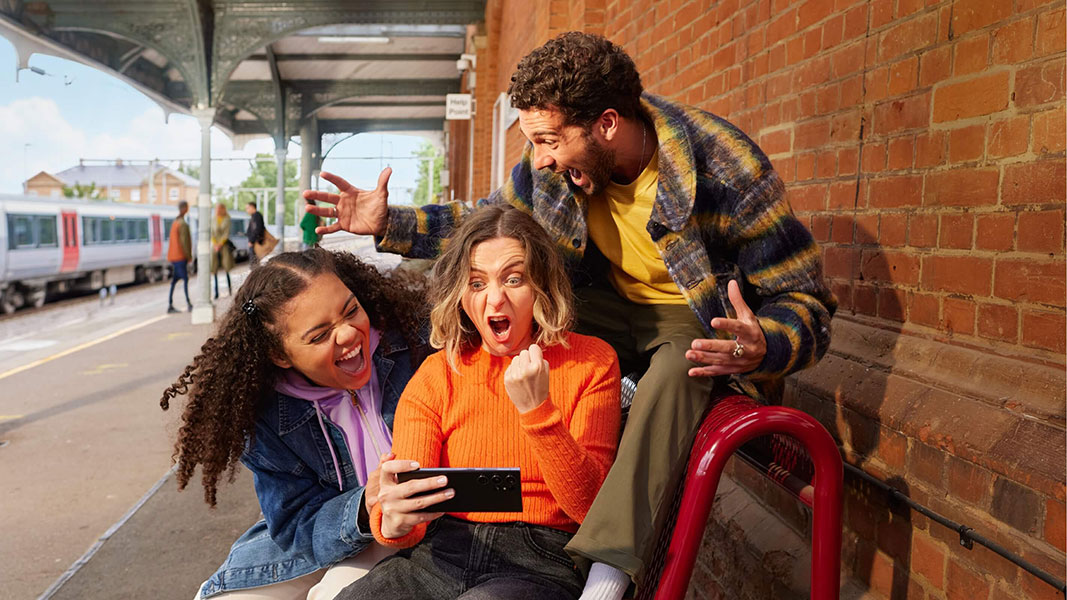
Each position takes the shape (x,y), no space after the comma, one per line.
(352,362)
(577,178)
(500,327)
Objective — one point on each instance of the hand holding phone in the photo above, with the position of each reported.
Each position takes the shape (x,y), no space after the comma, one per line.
(476,489)
(403,503)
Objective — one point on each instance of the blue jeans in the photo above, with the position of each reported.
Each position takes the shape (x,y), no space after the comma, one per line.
(475,561)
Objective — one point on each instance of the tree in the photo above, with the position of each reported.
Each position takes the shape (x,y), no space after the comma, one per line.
(265,175)
(429,154)
(192,170)
(82,190)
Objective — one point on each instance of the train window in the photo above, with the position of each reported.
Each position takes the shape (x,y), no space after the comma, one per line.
(19,231)
(46,232)
(142,230)
(106,231)
(119,230)
(166,228)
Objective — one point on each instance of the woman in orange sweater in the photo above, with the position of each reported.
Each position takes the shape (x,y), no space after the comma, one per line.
(511,388)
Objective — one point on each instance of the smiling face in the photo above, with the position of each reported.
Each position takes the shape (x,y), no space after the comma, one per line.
(569,150)
(499,298)
(326,335)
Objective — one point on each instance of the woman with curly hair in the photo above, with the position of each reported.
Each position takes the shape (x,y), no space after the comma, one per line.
(512,387)
(300,383)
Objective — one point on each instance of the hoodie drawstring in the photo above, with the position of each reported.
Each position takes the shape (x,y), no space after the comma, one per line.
(333,454)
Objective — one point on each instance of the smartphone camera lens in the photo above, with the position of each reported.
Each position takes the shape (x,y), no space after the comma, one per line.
(509,480)
(496,479)
(482,479)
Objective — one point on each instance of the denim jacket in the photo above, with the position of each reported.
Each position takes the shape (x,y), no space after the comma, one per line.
(308,523)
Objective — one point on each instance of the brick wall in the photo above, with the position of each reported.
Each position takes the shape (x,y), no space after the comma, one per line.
(922,142)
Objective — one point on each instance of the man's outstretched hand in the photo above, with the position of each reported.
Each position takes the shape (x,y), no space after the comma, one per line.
(719,357)
(362,212)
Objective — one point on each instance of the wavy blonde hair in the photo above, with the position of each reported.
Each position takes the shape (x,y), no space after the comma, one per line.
(553,312)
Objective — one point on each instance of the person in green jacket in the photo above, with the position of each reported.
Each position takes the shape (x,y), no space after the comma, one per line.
(308,225)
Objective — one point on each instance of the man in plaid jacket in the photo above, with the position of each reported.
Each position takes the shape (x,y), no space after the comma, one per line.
(683,250)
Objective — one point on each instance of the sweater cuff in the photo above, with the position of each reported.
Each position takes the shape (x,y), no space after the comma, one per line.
(778,360)
(413,537)
(400,229)
(545,416)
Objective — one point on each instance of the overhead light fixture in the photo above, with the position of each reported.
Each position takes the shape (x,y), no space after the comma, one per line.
(353,39)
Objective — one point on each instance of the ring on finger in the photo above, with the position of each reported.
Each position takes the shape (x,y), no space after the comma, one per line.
(739,349)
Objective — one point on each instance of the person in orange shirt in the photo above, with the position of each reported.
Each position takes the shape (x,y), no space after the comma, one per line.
(179,253)
(512,387)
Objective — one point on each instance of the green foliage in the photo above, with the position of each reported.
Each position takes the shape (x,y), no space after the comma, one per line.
(427,151)
(192,170)
(265,175)
(82,190)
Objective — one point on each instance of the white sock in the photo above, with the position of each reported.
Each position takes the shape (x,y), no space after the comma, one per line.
(605,583)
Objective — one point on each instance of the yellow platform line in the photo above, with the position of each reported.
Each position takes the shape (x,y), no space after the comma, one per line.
(81,347)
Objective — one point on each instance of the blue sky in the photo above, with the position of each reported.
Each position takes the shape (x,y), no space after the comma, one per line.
(75,112)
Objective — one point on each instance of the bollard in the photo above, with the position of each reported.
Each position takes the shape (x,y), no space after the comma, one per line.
(112,292)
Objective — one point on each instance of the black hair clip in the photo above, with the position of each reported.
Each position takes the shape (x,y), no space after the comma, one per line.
(250,308)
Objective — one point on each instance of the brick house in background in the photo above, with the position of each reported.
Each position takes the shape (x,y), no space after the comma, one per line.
(120,182)
(922,142)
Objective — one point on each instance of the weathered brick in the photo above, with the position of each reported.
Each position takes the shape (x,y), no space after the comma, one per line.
(891,303)
(924,309)
(935,66)
(874,157)
(1041,231)
(1044,330)
(972,55)
(820,227)
(808,197)
(959,315)
(841,261)
(805,166)
(901,153)
(911,112)
(957,231)
(926,463)
(1009,137)
(998,322)
(842,195)
(903,76)
(1055,533)
(866,229)
(1050,33)
(895,192)
(1030,281)
(982,95)
(1018,506)
(908,36)
(996,231)
(922,230)
(930,149)
(959,274)
(965,584)
(893,231)
(890,267)
(1039,84)
(865,300)
(962,187)
(841,229)
(1048,131)
(968,15)
(928,559)
(1035,182)
(1013,43)
(966,143)
(847,161)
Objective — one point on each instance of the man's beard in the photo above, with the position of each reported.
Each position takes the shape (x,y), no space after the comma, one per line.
(601,164)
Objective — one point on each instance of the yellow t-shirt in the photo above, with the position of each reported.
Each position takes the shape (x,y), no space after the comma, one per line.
(617,221)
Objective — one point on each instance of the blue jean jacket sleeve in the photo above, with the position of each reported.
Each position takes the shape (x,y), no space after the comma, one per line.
(305,516)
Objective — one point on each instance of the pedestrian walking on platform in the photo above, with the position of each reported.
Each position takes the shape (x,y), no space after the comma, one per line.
(255,233)
(308,224)
(179,253)
(222,257)
(300,382)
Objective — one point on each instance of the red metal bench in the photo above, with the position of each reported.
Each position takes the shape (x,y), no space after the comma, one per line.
(730,423)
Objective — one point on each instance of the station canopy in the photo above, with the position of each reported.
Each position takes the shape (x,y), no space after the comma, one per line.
(265,67)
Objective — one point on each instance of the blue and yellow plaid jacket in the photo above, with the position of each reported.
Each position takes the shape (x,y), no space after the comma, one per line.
(720,214)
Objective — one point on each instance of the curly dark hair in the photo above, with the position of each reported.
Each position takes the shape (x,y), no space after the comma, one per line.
(581,75)
(235,371)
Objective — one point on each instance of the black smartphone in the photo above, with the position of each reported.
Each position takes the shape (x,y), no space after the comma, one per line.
(477,490)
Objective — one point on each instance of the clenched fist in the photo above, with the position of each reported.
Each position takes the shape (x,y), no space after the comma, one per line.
(526,379)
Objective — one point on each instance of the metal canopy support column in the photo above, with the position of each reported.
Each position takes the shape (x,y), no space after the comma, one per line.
(279,204)
(203,309)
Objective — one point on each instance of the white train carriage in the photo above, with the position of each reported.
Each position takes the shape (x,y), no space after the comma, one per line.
(50,246)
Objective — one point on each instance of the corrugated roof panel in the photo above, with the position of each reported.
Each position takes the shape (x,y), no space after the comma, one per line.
(382,112)
(362,69)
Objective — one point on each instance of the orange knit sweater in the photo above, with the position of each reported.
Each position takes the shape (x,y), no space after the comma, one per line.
(564,447)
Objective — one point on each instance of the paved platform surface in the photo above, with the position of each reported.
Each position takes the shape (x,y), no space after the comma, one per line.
(90,506)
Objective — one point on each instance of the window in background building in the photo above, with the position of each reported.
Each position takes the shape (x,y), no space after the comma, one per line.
(173,194)
(114,194)
(56,193)
(135,195)
(152,195)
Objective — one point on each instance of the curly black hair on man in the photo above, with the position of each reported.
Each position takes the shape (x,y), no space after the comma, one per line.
(235,371)
(579,74)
